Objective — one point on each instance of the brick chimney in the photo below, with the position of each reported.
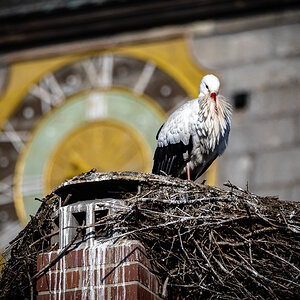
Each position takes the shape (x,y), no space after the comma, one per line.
(93,269)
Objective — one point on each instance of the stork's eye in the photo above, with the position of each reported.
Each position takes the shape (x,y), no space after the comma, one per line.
(206,86)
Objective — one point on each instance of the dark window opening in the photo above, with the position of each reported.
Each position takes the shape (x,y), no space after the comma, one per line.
(240,100)
(98,190)
(101,229)
(80,218)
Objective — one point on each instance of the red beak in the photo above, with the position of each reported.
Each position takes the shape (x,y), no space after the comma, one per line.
(213,95)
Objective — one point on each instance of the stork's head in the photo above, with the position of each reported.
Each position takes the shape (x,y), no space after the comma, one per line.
(209,85)
(209,88)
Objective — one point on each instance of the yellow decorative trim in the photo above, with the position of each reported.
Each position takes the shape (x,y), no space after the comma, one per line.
(172,56)
(22,76)
(2,262)
(211,174)
(17,187)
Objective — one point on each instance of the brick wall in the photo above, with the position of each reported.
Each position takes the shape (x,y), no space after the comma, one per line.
(259,56)
(99,272)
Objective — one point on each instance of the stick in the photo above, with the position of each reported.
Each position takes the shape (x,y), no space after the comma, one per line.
(54,261)
(44,237)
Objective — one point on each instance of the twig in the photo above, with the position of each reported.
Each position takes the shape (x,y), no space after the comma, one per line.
(164,288)
(208,262)
(67,200)
(44,237)
(54,261)
(221,250)
(30,280)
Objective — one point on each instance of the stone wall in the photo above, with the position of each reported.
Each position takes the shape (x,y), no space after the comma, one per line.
(257,59)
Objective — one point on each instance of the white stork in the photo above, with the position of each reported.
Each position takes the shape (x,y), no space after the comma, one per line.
(195,134)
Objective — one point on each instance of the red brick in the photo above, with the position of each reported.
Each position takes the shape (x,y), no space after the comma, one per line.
(74,259)
(132,272)
(144,276)
(92,293)
(86,258)
(41,284)
(57,265)
(131,291)
(122,252)
(123,274)
(113,255)
(134,245)
(143,294)
(129,253)
(118,254)
(155,284)
(71,281)
(140,255)
(40,262)
(98,293)
(148,279)
(71,260)
(124,292)
(107,275)
(74,295)
(43,260)
(111,275)
(132,252)
(137,272)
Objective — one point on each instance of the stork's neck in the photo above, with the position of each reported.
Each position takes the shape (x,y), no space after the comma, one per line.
(208,113)
(207,106)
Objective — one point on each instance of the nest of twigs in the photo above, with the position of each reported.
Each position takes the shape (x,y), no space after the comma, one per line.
(205,242)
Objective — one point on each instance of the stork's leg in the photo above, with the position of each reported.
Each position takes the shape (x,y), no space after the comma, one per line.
(188,172)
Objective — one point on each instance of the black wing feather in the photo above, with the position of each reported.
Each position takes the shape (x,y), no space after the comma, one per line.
(169,159)
(207,161)
(159,131)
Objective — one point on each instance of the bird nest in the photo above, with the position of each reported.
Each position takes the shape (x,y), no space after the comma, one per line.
(205,242)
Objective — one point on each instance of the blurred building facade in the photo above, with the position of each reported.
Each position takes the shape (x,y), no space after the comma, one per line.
(88,84)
